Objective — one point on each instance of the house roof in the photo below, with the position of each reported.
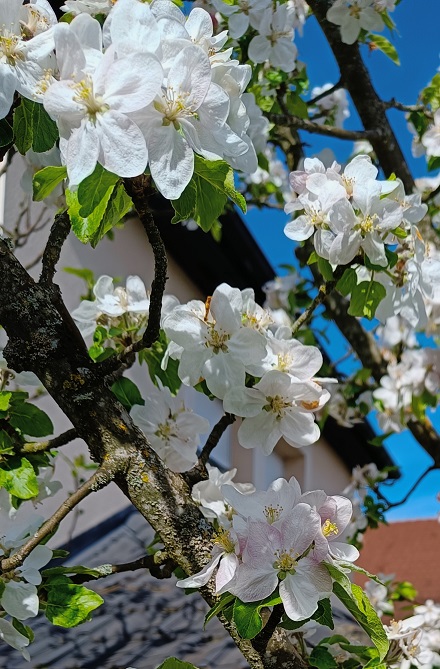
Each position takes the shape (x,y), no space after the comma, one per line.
(409,550)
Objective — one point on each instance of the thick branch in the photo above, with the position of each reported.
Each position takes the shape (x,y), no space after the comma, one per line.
(57,236)
(199,471)
(100,479)
(56,442)
(260,642)
(356,79)
(319,129)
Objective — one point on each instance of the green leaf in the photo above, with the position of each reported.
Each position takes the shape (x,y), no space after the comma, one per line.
(174,663)
(365,299)
(6,133)
(205,197)
(22,125)
(313,257)
(224,601)
(93,189)
(378,441)
(384,45)
(71,569)
(31,420)
(247,615)
(17,476)
(153,357)
(325,268)
(433,163)
(296,106)
(33,127)
(109,211)
(356,601)
(67,604)
(45,180)
(320,657)
(347,282)
(6,444)
(401,233)
(5,398)
(127,393)
(323,614)
(23,629)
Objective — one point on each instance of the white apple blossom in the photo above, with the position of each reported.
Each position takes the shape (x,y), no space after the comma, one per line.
(241,15)
(209,494)
(353,16)
(88,6)
(277,406)
(172,429)
(215,345)
(91,107)
(431,138)
(22,61)
(333,107)
(274,41)
(14,638)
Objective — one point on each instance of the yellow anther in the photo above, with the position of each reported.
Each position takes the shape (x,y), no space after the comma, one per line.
(329,528)
(272,513)
(223,539)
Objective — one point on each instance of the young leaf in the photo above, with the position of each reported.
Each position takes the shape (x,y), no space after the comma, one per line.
(45,180)
(365,299)
(347,282)
(6,133)
(93,189)
(323,614)
(225,600)
(384,45)
(247,615)
(33,127)
(31,420)
(205,197)
(325,268)
(174,663)
(320,657)
(67,604)
(5,398)
(127,392)
(19,478)
(153,357)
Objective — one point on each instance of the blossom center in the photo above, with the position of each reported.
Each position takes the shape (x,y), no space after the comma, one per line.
(329,528)
(284,562)
(217,340)
(366,226)
(272,513)
(284,362)
(174,105)
(9,48)
(86,97)
(355,11)
(277,405)
(223,539)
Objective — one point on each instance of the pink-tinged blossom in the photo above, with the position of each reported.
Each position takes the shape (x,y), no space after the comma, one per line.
(277,406)
(278,556)
(209,494)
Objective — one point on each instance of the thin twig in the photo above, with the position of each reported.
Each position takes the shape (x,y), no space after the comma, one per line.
(101,478)
(319,129)
(262,639)
(159,565)
(324,94)
(57,236)
(323,290)
(56,442)
(394,104)
(392,505)
(139,189)
(199,471)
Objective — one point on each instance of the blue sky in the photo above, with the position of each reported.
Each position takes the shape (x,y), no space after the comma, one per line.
(418,46)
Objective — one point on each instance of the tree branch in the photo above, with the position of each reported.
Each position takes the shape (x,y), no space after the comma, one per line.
(159,565)
(199,471)
(56,442)
(319,129)
(394,104)
(392,505)
(372,110)
(51,255)
(101,478)
(324,94)
(260,642)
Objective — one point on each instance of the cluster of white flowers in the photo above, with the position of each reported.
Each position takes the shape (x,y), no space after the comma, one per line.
(87,79)
(356,15)
(362,481)
(333,107)
(125,308)
(347,211)
(429,142)
(415,641)
(18,591)
(208,494)
(274,23)
(418,370)
(228,337)
(279,538)
(172,430)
